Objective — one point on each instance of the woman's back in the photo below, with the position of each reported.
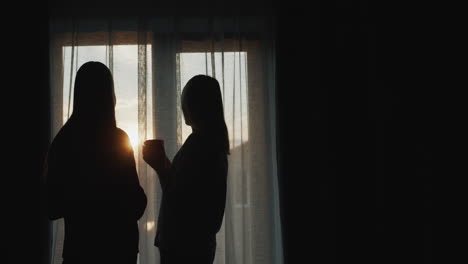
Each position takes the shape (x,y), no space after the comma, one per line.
(193,203)
(93,184)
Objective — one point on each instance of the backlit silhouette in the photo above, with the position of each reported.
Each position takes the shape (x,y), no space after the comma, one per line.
(194,184)
(91,176)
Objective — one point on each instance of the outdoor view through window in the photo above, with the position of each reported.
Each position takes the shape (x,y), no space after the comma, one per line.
(125,73)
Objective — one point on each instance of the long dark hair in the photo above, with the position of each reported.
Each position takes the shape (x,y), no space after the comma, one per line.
(94,96)
(202,104)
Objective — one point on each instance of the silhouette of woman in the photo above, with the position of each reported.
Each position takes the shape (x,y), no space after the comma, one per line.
(194,184)
(91,177)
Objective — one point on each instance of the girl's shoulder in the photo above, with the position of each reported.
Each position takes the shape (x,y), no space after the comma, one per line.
(121,140)
(121,134)
(202,144)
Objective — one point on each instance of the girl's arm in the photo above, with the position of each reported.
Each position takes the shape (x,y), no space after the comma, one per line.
(135,199)
(160,163)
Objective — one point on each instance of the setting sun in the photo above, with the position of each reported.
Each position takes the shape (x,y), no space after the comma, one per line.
(133,140)
(150,225)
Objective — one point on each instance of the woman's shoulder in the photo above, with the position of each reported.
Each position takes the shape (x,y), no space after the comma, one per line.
(196,141)
(203,144)
(62,138)
(122,138)
(121,133)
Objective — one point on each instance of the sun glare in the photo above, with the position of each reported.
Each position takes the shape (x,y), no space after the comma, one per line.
(133,140)
(150,225)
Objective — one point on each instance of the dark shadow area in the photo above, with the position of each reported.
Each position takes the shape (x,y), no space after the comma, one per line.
(353,89)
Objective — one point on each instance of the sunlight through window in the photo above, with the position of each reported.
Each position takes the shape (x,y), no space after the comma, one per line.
(150,225)
(125,72)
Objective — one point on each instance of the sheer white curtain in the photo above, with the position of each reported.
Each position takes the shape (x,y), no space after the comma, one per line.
(151,60)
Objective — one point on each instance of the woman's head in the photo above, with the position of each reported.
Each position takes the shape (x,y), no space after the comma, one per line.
(94,97)
(202,106)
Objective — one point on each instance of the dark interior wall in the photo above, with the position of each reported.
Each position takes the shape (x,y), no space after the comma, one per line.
(25,131)
(354,158)
(151,7)
(355,133)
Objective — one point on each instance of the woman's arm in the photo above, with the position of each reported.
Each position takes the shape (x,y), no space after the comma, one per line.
(214,183)
(164,173)
(135,199)
(158,160)
(138,200)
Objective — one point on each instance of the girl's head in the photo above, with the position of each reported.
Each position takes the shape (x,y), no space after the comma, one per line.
(94,97)
(202,106)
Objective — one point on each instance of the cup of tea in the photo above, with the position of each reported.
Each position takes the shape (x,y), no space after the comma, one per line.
(155,146)
(154,143)
(153,152)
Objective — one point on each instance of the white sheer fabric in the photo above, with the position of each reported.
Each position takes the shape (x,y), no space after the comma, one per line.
(151,60)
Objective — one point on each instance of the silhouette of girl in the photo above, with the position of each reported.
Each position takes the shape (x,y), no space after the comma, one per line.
(194,184)
(91,176)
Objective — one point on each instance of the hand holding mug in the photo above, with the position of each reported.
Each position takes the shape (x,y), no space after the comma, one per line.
(155,155)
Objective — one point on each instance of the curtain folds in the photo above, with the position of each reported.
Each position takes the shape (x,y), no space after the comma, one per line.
(151,59)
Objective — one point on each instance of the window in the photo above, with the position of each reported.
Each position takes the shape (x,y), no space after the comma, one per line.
(150,68)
